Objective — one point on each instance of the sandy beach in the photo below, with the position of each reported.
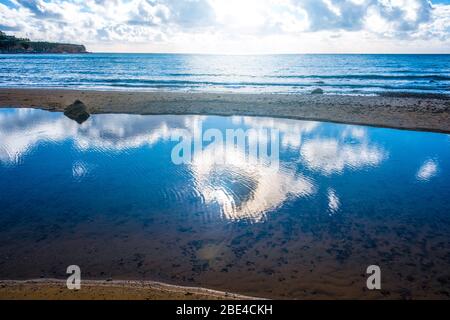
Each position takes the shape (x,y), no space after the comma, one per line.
(425,113)
(53,289)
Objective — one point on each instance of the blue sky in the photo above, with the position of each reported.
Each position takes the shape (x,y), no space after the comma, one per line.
(235,26)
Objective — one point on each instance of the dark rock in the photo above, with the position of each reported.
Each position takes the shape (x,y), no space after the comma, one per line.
(77,111)
(317,91)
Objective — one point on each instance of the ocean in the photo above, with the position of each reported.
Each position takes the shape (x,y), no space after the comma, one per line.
(335,74)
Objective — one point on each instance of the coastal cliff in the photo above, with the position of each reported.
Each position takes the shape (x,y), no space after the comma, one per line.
(11,44)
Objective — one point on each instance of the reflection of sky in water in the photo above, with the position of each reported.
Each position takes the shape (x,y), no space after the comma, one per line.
(319,162)
(427,171)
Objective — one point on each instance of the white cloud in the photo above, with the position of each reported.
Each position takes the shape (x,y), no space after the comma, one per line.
(245,26)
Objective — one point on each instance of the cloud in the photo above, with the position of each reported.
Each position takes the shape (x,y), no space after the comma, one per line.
(191,13)
(41,9)
(439,25)
(332,15)
(146,14)
(352,15)
(4,27)
(213,23)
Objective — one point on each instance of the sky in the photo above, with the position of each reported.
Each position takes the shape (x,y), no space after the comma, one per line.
(235,26)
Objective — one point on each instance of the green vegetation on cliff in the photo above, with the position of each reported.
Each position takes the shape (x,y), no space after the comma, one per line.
(11,44)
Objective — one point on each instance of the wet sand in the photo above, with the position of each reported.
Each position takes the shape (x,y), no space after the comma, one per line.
(53,289)
(427,113)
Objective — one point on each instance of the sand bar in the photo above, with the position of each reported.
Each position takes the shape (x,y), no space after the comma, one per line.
(54,289)
(425,113)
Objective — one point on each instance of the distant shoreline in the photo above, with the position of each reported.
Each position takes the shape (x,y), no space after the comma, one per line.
(417,112)
(44,53)
(12,45)
(55,289)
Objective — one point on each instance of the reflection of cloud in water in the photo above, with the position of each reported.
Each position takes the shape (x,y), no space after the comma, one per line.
(333,156)
(427,171)
(120,132)
(79,170)
(243,189)
(333,201)
(22,129)
(357,133)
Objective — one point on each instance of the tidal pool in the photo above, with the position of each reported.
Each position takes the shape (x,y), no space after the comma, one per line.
(106,196)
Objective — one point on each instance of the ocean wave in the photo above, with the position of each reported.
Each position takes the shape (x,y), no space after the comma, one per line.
(374,77)
(193,83)
(435,77)
(189,84)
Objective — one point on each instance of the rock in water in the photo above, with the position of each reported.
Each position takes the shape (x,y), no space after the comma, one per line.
(77,111)
(317,91)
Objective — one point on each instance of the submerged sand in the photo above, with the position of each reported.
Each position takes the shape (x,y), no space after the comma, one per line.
(53,289)
(427,113)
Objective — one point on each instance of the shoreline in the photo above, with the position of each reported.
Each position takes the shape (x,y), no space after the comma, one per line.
(427,113)
(55,289)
